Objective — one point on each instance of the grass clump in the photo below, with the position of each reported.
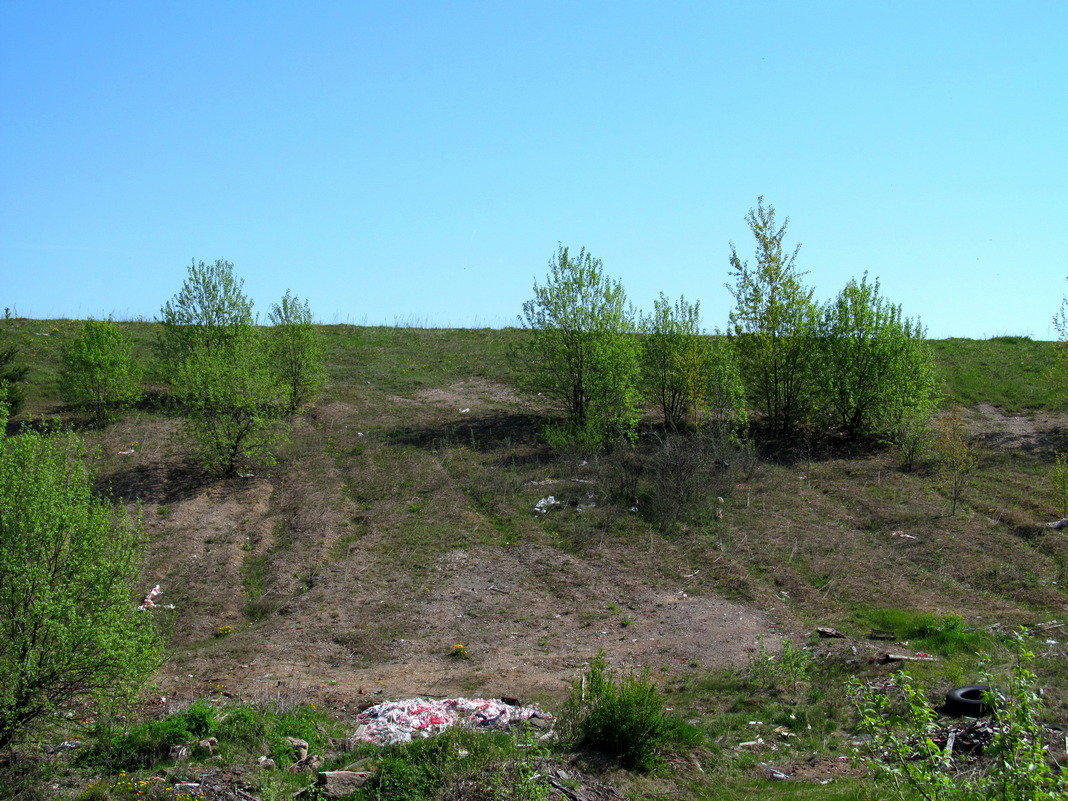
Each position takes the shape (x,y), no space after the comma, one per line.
(944,635)
(142,746)
(624,718)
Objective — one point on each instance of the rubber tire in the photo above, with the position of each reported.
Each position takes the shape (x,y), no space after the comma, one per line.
(968,701)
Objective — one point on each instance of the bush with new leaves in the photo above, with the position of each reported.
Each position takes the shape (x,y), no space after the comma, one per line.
(100,374)
(70,631)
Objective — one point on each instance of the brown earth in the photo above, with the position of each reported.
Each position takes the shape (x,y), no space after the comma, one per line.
(348,608)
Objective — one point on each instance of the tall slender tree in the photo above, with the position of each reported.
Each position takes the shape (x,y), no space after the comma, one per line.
(772,324)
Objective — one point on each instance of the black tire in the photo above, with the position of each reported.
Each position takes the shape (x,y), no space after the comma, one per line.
(969,701)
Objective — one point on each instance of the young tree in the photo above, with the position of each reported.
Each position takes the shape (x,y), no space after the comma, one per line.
(12,376)
(582,353)
(99,372)
(956,456)
(685,372)
(232,403)
(772,324)
(219,372)
(297,351)
(70,632)
(210,310)
(674,360)
(874,364)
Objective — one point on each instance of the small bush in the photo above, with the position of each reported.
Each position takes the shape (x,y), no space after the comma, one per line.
(787,671)
(625,718)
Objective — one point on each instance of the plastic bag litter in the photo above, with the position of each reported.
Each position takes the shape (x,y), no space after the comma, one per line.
(402,721)
(150,599)
(544,504)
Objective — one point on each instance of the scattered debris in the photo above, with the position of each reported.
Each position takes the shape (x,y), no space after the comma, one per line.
(401,721)
(903,535)
(126,453)
(829,633)
(543,506)
(1058,524)
(775,772)
(885,658)
(150,599)
(464,411)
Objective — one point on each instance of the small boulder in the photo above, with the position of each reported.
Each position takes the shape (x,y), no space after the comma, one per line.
(300,747)
(341,783)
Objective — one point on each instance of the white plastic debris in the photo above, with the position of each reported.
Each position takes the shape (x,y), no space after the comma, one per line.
(150,599)
(544,504)
(464,411)
(402,721)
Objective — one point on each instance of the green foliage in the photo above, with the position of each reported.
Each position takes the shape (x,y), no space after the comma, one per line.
(296,349)
(956,456)
(70,632)
(789,670)
(232,405)
(772,325)
(874,364)
(685,373)
(674,360)
(220,372)
(99,372)
(210,310)
(582,354)
(12,376)
(905,755)
(624,718)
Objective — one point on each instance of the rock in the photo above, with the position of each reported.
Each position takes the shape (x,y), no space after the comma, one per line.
(309,764)
(299,746)
(828,632)
(266,762)
(341,783)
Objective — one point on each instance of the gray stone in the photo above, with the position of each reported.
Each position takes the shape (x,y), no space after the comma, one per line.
(341,783)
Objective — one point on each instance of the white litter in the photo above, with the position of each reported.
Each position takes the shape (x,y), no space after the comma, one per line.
(544,504)
(150,599)
(402,721)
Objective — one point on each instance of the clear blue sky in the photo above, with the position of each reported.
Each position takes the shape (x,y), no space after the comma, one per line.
(419,162)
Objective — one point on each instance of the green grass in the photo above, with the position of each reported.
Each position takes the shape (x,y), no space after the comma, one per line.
(1014,373)
(945,635)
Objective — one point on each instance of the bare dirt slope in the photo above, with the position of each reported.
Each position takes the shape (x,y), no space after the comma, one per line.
(356,565)
(395,528)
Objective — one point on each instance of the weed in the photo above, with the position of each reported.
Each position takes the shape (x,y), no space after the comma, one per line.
(624,718)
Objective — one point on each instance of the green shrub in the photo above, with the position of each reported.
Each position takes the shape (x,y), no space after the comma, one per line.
(789,670)
(100,374)
(624,718)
